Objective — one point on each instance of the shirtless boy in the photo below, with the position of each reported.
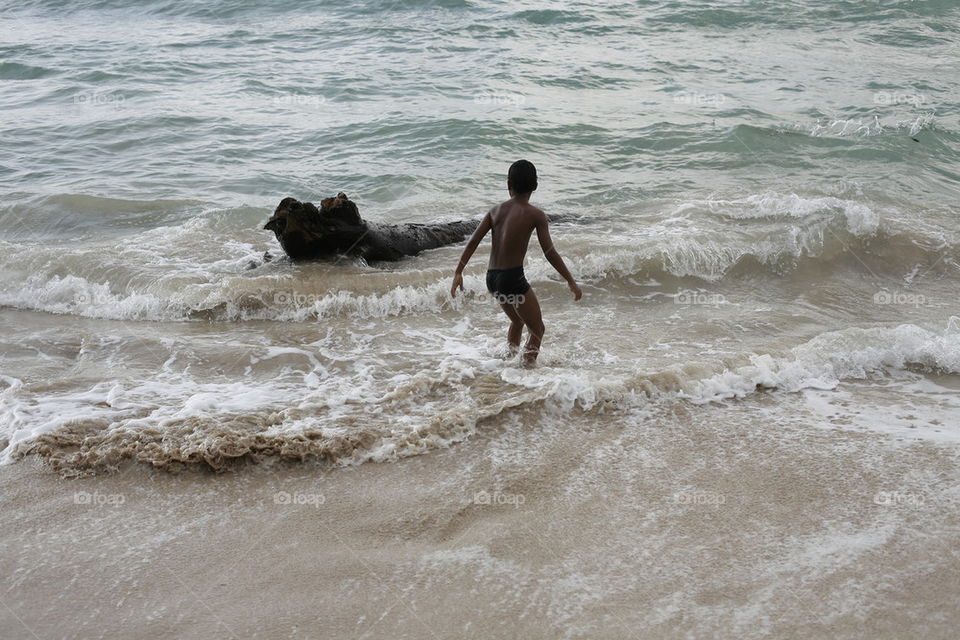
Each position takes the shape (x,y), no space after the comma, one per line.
(512,223)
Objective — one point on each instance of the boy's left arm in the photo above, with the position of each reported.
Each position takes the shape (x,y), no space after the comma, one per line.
(552,255)
(468,253)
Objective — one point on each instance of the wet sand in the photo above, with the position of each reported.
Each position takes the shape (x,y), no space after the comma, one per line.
(567,526)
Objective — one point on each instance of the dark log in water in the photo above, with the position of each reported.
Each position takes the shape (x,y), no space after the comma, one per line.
(337,229)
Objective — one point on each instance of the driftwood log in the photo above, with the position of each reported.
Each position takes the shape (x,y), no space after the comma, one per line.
(336,229)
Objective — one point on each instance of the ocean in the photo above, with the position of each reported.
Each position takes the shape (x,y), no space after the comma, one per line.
(759,200)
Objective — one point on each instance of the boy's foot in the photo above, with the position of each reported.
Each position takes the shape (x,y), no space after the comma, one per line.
(508,352)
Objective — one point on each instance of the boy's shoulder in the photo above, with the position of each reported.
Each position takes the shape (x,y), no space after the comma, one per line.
(512,205)
(536,213)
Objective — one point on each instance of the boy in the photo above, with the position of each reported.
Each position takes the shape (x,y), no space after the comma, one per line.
(512,223)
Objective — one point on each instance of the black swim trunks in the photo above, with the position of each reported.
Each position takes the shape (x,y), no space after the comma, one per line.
(507,282)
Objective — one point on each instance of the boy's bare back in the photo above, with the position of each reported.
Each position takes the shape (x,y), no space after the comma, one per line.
(511,224)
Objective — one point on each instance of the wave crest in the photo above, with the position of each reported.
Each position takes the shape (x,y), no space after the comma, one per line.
(430,410)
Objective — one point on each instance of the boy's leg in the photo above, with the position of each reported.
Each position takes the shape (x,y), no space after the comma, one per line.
(529,312)
(516,327)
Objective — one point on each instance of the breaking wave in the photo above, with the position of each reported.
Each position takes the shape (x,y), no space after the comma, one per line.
(230,290)
(318,416)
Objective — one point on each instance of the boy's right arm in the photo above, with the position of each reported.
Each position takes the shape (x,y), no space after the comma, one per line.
(472,245)
(552,255)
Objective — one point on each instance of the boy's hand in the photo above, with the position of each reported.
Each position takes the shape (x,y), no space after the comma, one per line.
(575,290)
(457,282)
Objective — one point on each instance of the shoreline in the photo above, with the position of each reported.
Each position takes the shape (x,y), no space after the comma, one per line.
(651,527)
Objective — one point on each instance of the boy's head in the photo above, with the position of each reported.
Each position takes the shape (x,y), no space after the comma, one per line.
(522,177)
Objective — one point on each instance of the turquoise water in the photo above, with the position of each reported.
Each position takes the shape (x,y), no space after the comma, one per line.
(411,103)
(742,178)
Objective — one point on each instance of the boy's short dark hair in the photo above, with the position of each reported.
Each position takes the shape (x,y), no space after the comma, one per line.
(522,177)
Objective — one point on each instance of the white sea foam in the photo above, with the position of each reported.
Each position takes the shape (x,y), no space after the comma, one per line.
(163,275)
(871,126)
(861,220)
(829,358)
(407,413)
(700,254)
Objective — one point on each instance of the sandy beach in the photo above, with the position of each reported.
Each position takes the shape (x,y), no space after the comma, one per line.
(659,529)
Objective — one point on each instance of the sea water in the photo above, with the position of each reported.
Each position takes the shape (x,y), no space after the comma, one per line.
(756,197)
